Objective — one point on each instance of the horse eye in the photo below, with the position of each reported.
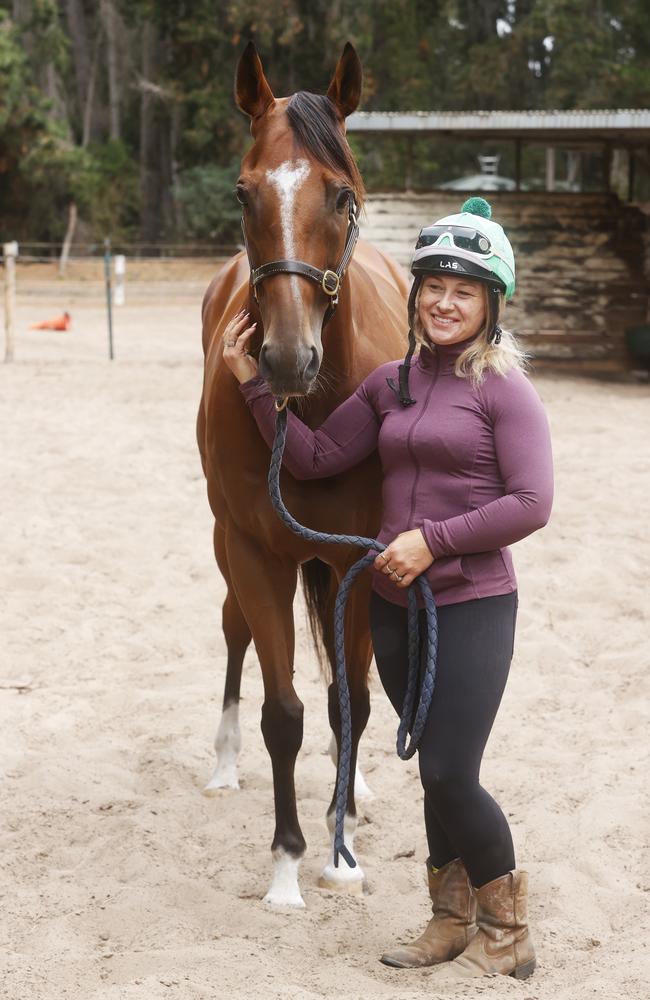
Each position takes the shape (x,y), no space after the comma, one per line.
(240,194)
(342,199)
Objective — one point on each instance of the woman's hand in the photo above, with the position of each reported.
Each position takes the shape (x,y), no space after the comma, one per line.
(235,341)
(406,557)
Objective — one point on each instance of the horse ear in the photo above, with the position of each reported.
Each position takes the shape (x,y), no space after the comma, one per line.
(252,92)
(345,88)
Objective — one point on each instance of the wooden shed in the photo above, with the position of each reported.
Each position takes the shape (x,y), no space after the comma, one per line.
(583,258)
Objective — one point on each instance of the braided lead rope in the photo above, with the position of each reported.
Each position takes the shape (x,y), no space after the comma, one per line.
(407,723)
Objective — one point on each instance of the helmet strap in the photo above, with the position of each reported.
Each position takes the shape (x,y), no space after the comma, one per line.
(404,394)
(494,336)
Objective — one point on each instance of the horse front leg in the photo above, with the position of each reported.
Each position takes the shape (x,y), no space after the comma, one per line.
(358,654)
(227,743)
(265,589)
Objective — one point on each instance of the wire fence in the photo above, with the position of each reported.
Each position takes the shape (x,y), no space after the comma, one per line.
(45,253)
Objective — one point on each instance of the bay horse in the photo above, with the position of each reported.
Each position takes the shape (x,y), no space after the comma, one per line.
(297,185)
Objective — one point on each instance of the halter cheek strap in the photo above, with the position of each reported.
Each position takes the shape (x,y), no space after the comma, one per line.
(329,281)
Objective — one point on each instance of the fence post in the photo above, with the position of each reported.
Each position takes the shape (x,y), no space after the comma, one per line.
(119,292)
(10,253)
(109,297)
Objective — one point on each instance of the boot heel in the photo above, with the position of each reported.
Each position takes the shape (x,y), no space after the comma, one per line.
(524,971)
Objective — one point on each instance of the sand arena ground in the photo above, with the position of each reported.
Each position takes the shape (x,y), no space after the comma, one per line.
(120,880)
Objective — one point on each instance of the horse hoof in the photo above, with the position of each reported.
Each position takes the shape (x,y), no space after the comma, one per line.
(280,899)
(346,887)
(218,784)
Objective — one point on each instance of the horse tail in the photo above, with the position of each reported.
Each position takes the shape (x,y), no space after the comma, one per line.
(317,588)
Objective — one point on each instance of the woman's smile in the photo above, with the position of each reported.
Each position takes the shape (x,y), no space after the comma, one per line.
(443,320)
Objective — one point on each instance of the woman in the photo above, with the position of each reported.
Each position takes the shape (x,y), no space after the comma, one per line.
(465,451)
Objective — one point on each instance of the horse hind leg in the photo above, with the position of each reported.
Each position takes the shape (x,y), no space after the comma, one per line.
(320,595)
(358,655)
(361,788)
(346,879)
(227,743)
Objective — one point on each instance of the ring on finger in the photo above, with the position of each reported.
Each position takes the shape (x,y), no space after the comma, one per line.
(397,576)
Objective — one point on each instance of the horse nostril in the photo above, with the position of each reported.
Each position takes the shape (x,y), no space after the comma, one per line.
(263,362)
(311,369)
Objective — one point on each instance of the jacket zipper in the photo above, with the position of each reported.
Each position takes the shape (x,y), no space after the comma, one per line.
(409,439)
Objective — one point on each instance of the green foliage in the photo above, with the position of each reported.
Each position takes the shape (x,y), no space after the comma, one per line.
(208,209)
(416,54)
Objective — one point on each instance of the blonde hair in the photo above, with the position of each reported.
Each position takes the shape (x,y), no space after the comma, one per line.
(481,355)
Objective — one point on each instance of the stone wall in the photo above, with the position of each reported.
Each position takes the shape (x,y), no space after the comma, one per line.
(582,263)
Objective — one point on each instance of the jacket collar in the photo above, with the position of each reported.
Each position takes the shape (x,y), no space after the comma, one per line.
(442,357)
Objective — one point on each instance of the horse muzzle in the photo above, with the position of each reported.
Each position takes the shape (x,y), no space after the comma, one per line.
(289,372)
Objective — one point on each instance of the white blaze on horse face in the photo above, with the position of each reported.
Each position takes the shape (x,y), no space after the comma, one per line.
(287,180)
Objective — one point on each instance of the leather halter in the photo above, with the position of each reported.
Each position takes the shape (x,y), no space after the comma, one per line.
(329,281)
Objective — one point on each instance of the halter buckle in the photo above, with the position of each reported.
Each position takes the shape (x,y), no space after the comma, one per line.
(330,283)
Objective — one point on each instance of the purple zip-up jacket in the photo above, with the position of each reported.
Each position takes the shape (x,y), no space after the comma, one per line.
(469,466)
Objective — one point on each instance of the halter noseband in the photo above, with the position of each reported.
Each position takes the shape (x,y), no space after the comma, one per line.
(329,281)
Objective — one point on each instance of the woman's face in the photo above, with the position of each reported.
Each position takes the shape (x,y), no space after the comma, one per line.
(451,309)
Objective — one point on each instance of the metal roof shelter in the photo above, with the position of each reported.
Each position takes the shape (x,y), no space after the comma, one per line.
(578,131)
(625,127)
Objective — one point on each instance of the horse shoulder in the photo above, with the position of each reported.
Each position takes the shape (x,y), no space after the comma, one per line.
(224,296)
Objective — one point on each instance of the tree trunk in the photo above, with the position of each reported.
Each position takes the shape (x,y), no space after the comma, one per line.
(69,236)
(89,101)
(109,18)
(150,181)
(81,59)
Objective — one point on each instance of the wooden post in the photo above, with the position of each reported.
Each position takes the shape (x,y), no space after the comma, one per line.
(119,266)
(631,171)
(10,254)
(550,168)
(408,172)
(109,297)
(517,164)
(606,166)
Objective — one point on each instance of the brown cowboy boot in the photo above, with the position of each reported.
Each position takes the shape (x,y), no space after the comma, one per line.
(503,944)
(452,925)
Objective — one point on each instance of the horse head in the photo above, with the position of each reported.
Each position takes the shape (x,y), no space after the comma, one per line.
(299,188)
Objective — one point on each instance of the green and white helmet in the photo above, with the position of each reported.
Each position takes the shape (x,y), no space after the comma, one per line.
(469,243)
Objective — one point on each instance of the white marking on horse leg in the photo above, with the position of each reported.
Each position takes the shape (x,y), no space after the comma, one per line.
(227,743)
(287,179)
(361,789)
(343,878)
(284,889)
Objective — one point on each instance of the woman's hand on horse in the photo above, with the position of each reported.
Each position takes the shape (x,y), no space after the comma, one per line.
(405,558)
(236,337)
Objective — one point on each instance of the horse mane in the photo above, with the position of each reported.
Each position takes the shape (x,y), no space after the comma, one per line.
(316,127)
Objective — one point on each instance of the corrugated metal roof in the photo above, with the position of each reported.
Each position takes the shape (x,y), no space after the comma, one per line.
(631,124)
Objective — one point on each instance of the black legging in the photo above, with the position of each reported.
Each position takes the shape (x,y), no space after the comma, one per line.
(475,643)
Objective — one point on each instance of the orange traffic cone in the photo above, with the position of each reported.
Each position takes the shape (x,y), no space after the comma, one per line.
(61,322)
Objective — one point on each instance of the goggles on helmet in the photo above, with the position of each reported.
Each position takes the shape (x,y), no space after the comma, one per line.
(462,237)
